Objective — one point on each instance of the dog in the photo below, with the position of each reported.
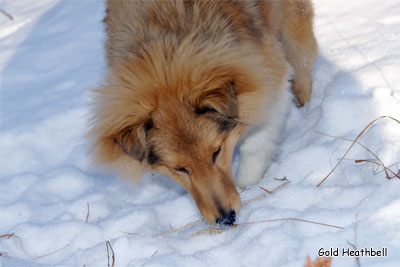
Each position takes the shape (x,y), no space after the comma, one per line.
(188,80)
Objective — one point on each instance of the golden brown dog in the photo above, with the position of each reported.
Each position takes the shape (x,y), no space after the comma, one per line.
(188,80)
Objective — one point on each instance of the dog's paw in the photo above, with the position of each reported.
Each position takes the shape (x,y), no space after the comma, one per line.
(302,90)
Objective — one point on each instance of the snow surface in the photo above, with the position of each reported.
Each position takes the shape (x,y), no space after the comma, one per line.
(51,55)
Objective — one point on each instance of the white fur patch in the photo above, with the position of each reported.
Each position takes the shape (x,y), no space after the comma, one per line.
(258,143)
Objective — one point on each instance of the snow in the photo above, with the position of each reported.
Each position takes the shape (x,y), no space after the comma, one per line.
(51,55)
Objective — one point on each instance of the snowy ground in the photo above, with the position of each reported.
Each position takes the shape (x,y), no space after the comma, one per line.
(51,54)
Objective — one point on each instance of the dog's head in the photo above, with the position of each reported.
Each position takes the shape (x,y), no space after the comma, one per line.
(181,113)
(191,141)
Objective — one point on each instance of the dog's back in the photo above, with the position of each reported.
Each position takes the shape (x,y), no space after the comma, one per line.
(131,25)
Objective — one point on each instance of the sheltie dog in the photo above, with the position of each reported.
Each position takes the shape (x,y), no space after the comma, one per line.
(188,80)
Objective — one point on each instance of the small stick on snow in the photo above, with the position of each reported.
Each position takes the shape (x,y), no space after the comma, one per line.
(6,14)
(182,227)
(292,219)
(264,189)
(13,235)
(155,252)
(7,235)
(108,245)
(355,141)
(281,179)
(51,253)
(209,231)
(376,161)
(87,216)
(266,194)
(355,240)
(387,170)
(127,233)
(390,166)
(212,230)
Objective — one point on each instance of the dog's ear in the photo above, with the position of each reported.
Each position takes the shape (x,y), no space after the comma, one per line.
(132,139)
(222,100)
(221,105)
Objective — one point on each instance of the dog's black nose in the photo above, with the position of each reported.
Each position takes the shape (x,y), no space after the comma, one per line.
(227,219)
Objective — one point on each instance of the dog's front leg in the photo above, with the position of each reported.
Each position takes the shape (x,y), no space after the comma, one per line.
(257,145)
(256,150)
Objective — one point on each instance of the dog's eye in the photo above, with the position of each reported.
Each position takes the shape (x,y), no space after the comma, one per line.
(215,155)
(205,109)
(182,170)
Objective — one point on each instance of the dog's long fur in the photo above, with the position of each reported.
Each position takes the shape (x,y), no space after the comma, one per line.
(188,80)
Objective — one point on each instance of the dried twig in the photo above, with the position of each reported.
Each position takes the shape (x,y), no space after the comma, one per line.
(7,235)
(127,233)
(390,166)
(182,227)
(209,231)
(87,215)
(264,189)
(353,143)
(6,14)
(268,192)
(389,173)
(355,240)
(15,236)
(109,248)
(281,179)
(155,252)
(51,253)
(376,161)
(219,230)
(291,219)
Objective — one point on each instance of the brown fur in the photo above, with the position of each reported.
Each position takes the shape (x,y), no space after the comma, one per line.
(186,78)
